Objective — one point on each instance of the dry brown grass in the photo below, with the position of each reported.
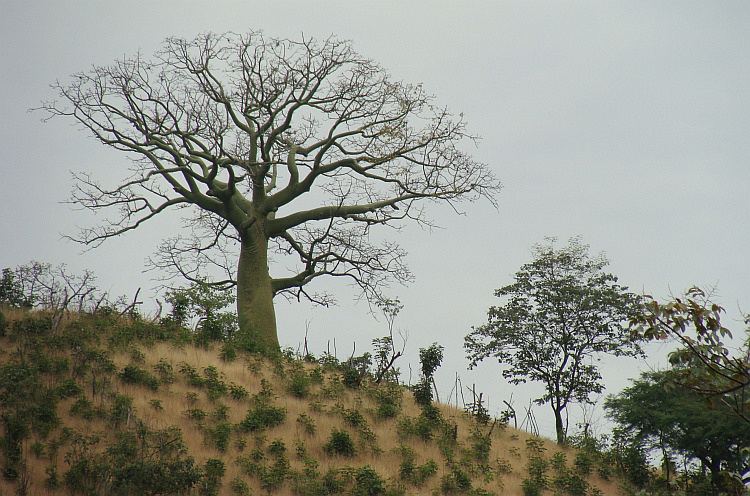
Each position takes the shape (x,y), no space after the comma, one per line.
(508,446)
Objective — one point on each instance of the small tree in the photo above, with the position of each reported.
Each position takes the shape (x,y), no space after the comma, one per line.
(273,147)
(430,359)
(561,313)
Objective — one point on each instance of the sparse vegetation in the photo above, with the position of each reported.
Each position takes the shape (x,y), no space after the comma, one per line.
(86,411)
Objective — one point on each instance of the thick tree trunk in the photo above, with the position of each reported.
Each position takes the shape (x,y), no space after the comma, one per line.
(255,309)
(559,427)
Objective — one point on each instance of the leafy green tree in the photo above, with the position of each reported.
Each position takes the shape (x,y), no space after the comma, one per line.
(430,358)
(561,312)
(11,291)
(660,414)
(271,146)
(695,322)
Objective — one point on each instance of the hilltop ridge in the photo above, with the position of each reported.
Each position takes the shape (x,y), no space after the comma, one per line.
(116,405)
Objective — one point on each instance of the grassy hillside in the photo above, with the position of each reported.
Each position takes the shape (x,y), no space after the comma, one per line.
(107,405)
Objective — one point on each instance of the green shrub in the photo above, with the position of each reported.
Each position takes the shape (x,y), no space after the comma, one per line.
(480,445)
(353,417)
(368,482)
(351,378)
(336,480)
(537,470)
(415,474)
(68,388)
(238,392)
(133,374)
(165,371)
(52,481)
(220,434)
(213,472)
(239,487)
(196,414)
(85,409)
(299,384)
(273,477)
(307,423)
(388,398)
(559,462)
(262,417)
(531,487)
(340,443)
(228,352)
(457,481)
(215,387)
(575,485)
(37,449)
(120,409)
(193,377)
(535,446)
(420,427)
(316,376)
(584,462)
(504,466)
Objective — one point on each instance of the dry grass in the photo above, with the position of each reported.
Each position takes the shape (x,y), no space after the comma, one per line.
(324,403)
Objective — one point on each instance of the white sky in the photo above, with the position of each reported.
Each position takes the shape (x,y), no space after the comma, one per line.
(623,122)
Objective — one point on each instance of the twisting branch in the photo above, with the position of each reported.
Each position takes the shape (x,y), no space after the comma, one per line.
(236,130)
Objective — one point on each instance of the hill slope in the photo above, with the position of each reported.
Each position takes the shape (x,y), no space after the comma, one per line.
(110,406)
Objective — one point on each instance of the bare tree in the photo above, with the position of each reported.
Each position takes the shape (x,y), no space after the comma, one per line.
(240,130)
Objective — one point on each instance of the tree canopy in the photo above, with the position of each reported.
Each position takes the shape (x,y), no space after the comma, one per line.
(694,321)
(295,148)
(561,313)
(675,420)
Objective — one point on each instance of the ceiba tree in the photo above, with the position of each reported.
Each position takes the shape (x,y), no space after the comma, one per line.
(276,147)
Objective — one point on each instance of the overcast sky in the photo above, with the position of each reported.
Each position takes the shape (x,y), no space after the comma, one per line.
(623,122)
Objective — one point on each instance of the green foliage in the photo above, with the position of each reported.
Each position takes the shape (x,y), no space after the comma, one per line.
(307,423)
(263,416)
(219,434)
(299,384)
(165,371)
(351,378)
(133,374)
(27,405)
(420,427)
(120,409)
(228,352)
(340,443)
(412,473)
(239,487)
(480,445)
(584,463)
(665,417)
(196,414)
(559,461)
(430,359)
(455,482)
(704,363)
(11,291)
(84,408)
(388,397)
(561,312)
(238,392)
(205,303)
(68,388)
(368,482)
(140,461)
(210,482)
